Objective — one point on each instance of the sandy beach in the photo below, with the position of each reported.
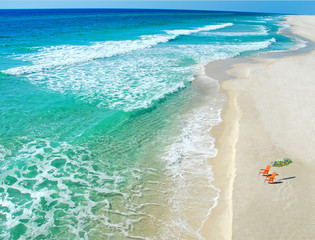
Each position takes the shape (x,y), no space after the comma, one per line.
(269,114)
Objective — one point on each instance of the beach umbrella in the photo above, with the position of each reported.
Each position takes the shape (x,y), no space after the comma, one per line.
(281,162)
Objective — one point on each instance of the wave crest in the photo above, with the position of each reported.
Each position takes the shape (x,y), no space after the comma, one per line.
(65,55)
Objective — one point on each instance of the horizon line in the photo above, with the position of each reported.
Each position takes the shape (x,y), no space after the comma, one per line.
(159,9)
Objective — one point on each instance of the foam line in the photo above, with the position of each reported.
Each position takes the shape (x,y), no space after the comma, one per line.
(262,31)
(65,55)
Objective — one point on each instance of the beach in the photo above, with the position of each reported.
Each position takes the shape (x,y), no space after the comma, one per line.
(269,114)
(113,128)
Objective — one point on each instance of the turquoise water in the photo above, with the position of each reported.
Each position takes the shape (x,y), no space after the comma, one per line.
(103,132)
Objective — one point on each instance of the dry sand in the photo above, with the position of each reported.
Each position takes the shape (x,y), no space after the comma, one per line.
(270,114)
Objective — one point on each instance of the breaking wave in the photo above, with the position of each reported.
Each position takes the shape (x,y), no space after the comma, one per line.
(65,55)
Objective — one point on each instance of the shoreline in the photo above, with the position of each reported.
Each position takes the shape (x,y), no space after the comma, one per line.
(246,133)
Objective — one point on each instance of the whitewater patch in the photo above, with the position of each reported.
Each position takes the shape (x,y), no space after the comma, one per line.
(261,31)
(136,80)
(208,53)
(65,55)
(192,195)
(131,82)
(56,189)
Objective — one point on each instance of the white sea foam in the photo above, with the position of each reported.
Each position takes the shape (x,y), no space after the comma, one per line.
(136,80)
(64,55)
(261,31)
(4,153)
(52,184)
(284,25)
(191,192)
(126,83)
(253,21)
(208,53)
(299,43)
(200,29)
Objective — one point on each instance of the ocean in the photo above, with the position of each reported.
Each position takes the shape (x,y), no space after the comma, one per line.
(104,134)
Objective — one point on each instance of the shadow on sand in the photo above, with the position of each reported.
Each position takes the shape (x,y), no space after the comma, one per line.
(287,178)
(275,182)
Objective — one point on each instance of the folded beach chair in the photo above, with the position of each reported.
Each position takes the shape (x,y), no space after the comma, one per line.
(271,178)
(265,171)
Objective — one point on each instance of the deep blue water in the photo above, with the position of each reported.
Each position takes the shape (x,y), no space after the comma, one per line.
(102,133)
